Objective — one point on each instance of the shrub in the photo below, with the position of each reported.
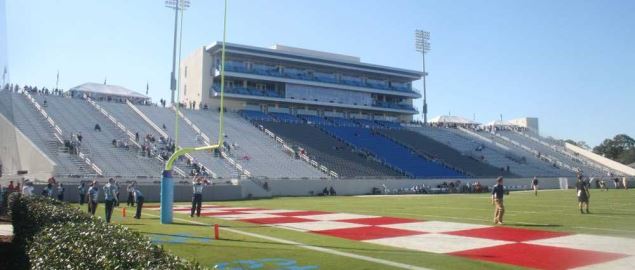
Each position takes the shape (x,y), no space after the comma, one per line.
(97,245)
(55,235)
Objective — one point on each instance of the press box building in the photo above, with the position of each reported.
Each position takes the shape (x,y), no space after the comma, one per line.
(298,81)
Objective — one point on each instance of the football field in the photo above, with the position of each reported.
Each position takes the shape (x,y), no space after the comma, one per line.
(401,232)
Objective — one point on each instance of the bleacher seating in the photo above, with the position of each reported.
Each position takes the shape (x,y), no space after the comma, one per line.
(392,154)
(367,123)
(389,124)
(77,115)
(188,138)
(251,148)
(330,152)
(256,115)
(342,122)
(18,110)
(286,118)
(315,120)
(429,147)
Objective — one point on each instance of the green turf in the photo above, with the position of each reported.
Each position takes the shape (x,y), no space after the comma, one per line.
(613,213)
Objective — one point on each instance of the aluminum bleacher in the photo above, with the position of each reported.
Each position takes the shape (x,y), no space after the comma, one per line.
(78,116)
(330,152)
(32,124)
(251,148)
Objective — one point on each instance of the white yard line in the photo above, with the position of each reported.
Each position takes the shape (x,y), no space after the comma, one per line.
(309,247)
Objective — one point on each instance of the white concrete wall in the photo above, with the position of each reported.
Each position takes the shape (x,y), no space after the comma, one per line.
(17,152)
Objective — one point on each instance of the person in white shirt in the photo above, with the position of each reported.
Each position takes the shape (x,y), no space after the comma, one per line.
(111,191)
(27,190)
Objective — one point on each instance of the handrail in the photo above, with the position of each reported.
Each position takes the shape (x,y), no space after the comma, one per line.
(58,134)
(163,134)
(123,128)
(206,140)
(543,156)
(287,148)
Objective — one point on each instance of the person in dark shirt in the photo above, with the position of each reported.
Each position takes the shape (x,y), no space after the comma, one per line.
(534,185)
(582,190)
(497,199)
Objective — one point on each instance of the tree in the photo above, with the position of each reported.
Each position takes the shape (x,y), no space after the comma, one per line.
(582,144)
(621,148)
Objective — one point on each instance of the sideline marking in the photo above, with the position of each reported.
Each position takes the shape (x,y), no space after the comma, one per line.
(309,247)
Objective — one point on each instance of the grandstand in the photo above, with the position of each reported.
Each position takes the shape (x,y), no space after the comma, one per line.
(276,145)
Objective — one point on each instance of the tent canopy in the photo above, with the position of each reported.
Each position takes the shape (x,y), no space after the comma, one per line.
(108,90)
(449,119)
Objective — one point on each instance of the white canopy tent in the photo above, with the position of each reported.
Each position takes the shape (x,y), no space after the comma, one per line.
(450,119)
(105,91)
(498,123)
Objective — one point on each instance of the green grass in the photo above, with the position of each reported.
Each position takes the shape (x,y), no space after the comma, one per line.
(613,213)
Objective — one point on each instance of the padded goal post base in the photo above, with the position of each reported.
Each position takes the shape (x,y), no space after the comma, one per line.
(167,197)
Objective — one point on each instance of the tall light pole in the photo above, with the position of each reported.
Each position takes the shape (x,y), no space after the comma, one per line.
(176,5)
(422,45)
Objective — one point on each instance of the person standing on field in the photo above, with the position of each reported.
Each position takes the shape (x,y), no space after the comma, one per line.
(534,185)
(497,200)
(138,196)
(197,195)
(130,190)
(582,190)
(93,197)
(81,189)
(110,198)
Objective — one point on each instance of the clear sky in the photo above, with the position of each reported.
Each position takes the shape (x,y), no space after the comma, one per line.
(570,63)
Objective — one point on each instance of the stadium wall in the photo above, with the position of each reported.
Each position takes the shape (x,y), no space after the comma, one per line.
(18,153)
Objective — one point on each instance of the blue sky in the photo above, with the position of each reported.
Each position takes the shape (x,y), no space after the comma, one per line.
(570,63)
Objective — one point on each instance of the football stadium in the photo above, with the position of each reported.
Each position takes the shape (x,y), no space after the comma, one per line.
(291,157)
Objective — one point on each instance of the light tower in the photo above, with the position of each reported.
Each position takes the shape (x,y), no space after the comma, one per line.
(176,5)
(422,45)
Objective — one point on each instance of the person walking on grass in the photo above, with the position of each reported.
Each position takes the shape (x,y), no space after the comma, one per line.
(93,197)
(197,195)
(138,196)
(582,190)
(497,200)
(534,185)
(110,198)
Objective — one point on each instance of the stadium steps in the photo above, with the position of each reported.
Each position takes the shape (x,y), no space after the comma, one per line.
(327,150)
(433,149)
(522,164)
(256,152)
(33,125)
(135,124)
(188,138)
(77,115)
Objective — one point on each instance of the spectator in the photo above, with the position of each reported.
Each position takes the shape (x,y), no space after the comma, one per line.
(27,190)
(81,189)
(11,187)
(110,198)
(325,191)
(139,199)
(48,191)
(136,136)
(80,137)
(93,197)
(60,192)
(332,191)
(97,127)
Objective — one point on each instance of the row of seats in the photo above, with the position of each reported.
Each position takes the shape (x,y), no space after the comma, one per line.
(328,151)
(317,120)
(391,153)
